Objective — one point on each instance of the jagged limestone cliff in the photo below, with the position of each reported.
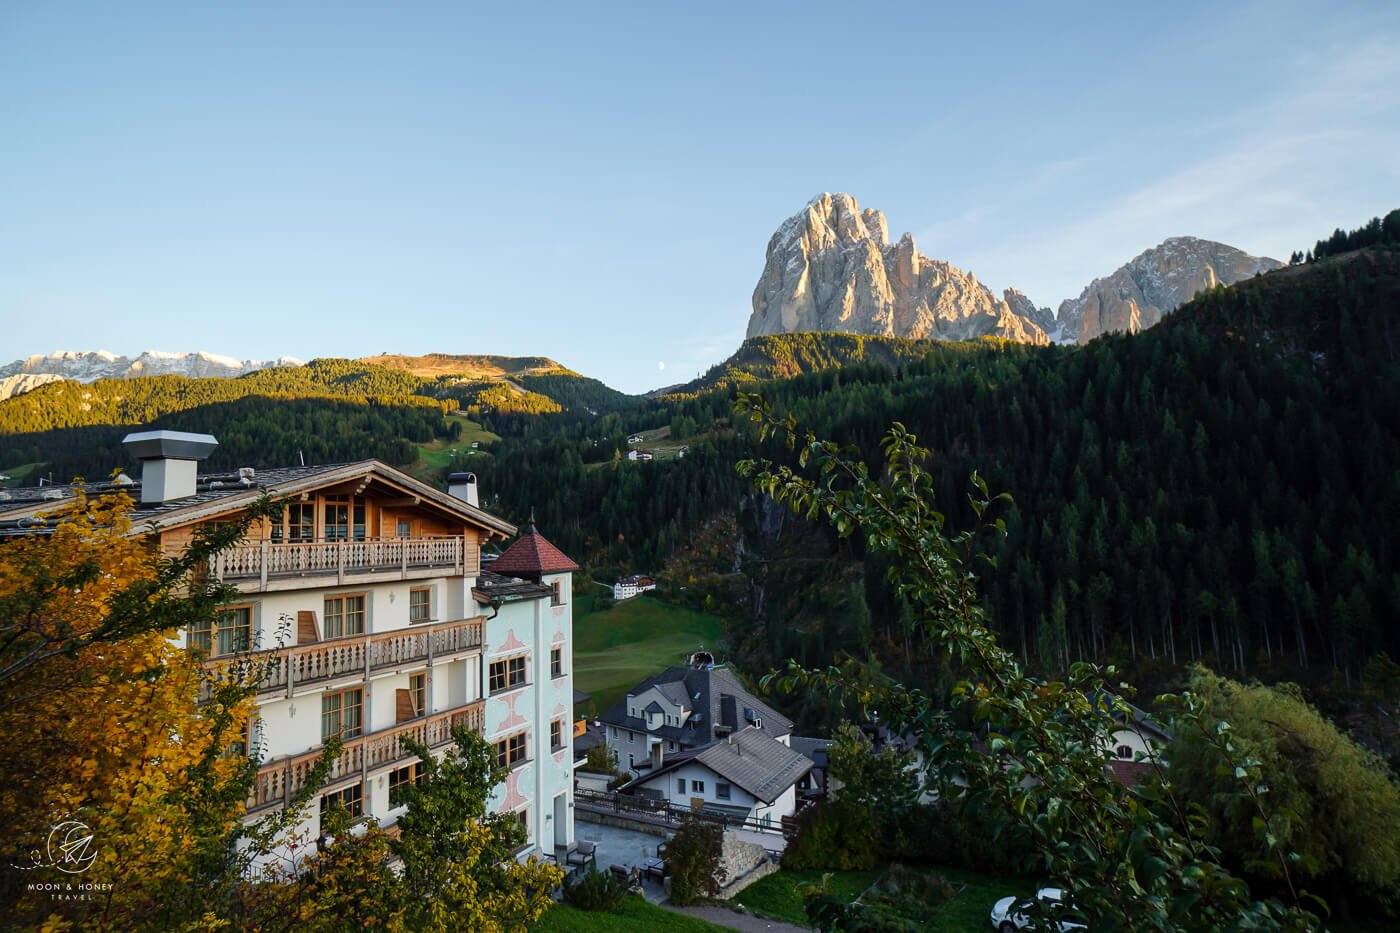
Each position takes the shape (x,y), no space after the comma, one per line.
(1153,284)
(832,267)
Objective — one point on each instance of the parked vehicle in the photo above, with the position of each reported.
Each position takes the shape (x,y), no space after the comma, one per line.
(1011,914)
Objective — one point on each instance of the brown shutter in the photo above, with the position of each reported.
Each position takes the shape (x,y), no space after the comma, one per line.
(403,704)
(306,627)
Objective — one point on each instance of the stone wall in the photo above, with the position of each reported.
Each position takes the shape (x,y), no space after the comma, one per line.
(742,863)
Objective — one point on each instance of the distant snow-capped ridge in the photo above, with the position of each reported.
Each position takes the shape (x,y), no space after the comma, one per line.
(100,364)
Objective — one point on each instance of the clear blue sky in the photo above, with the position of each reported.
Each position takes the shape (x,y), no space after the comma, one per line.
(597,182)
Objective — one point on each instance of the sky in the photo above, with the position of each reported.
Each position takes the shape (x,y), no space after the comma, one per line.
(597,182)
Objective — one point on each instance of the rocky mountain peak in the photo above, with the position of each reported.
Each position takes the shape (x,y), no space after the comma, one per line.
(831,267)
(1153,284)
(89,366)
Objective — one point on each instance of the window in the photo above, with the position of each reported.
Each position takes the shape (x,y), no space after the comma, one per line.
(523,817)
(297,524)
(1124,752)
(345,615)
(631,736)
(403,528)
(510,751)
(350,800)
(556,662)
(631,761)
(229,633)
(556,734)
(342,714)
(344,519)
(400,778)
(507,673)
(418,690)
(721,790)
(556,598)
(420,605)
(680,785)
(697,787)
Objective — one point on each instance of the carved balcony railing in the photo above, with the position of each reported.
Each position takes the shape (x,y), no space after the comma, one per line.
(264,561)
(357,656)
(280,780)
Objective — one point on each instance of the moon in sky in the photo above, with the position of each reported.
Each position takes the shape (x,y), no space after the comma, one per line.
(661,364)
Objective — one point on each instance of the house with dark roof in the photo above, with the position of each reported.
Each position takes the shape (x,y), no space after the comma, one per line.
(675,716)
(748,775)
(685,708)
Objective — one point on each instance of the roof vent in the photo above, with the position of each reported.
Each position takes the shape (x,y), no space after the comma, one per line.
(169,462)
(246,475)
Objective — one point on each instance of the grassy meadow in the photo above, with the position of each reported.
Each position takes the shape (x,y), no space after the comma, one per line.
(616,647)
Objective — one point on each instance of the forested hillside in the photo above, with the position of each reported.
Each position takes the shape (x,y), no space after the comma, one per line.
(1222,486)
(330,409)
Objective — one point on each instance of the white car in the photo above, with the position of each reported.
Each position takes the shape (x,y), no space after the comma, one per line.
(1011,914)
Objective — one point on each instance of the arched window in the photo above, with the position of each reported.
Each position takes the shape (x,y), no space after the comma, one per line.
(1123,751)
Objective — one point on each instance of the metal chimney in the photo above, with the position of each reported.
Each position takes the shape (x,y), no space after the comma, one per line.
(169,462)
(463,486)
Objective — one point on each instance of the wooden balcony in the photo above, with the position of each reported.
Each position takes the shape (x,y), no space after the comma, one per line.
(359,657)
(279,780)
(260,566)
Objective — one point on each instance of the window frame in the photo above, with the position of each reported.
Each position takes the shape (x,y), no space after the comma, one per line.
(419,692)
(354,793)
(331,630)
(513,750)
(723,790)
(502,680)
(697,787)
(207,635)
(556,662)
(556,597)
(412,772)
(340,712)
(556,735)
(427,607)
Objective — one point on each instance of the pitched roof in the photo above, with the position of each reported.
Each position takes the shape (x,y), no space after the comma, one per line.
(531,553)
(222,493)
(716,698)
(756,762)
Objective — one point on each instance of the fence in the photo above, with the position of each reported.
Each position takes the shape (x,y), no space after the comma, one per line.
(663,812)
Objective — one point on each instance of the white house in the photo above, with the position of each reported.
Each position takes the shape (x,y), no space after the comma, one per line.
(747,774)
(639,455)
(631,586)
(678,720)
(370,581)
(635,439)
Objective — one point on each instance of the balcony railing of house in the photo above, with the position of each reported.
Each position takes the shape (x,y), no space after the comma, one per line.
(360,656)
(280,780)
(265,560)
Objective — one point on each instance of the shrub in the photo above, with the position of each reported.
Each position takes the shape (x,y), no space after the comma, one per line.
(601,760)
(595,890)
(694,856)
(834,836)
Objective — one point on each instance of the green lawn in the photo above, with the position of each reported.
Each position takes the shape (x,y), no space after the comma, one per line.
(777,896)
(634,916)
(617,647)
(22,475)
(452,455)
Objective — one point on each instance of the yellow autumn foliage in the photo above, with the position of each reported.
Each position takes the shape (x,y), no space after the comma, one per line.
(105,735)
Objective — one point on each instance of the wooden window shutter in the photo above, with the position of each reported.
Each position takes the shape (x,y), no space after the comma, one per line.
(306,627)
(403,705)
